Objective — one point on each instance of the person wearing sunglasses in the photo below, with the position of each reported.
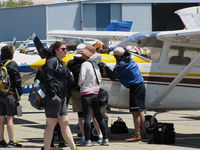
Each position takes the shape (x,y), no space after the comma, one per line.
(57,81)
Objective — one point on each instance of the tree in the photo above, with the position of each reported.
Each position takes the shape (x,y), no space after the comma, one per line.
(13,3)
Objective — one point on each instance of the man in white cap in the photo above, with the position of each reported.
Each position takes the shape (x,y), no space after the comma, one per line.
(127,71)
(74,66)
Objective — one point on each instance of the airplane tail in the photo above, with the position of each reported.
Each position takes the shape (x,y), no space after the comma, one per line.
(190,17)
(119,26)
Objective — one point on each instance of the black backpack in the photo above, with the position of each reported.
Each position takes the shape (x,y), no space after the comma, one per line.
(119,126)
(38,92)
(163,134)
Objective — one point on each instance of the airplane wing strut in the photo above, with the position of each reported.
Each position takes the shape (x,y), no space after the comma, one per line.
(171,86)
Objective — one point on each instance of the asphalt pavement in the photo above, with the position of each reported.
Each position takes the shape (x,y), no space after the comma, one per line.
(30,127)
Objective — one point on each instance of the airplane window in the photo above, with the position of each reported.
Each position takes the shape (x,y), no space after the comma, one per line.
(181,55)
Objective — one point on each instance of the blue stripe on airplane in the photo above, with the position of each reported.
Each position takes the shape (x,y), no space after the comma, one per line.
(25,68)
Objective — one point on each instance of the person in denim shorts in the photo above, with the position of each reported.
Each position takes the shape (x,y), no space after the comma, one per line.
(127,71)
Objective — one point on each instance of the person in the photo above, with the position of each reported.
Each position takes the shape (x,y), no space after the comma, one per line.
(89,90)
(56,83)
(74,65)
(127,71)
(9,102)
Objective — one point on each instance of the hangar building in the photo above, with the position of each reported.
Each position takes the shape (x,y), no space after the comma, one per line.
(147,15)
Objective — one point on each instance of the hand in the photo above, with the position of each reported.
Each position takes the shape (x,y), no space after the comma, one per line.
(53,98)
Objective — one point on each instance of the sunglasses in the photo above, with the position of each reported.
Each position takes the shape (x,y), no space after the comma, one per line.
(63,49)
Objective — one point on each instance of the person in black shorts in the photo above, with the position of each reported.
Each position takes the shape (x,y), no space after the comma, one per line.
(8,102)
(57,81)
(127,71)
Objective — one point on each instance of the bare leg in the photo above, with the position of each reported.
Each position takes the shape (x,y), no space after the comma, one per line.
(136,120)
(96,125)
(66,132)
(10,127)
(48,133)
(142,119)
(2,122)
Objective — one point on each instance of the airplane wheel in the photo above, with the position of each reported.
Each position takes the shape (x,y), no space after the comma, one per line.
(150,123)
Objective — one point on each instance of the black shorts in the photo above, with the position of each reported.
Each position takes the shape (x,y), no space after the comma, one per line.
(137,97)
(8,105)
(55,108)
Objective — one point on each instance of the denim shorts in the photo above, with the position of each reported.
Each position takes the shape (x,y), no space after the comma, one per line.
(55,108)
(137,97)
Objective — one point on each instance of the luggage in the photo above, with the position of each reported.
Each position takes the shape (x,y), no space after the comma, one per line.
(119,126)
(163,134)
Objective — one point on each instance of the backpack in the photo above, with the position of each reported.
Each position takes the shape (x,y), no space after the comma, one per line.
(119,126)
(4,79)
(38,92)
(163,134)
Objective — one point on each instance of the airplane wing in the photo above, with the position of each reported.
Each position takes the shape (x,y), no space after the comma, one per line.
(190,16)
(24,61)
(104,36)
(189,37)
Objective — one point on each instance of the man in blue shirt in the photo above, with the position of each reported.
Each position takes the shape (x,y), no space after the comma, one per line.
(127,71)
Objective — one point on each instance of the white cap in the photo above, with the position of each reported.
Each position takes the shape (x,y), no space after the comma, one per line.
(118,51)
(80,46)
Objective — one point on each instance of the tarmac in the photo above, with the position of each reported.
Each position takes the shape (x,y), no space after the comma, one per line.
(30,127)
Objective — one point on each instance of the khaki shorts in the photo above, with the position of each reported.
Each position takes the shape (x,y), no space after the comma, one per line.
(76,101)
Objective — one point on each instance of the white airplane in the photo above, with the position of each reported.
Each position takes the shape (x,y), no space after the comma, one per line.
(171,77)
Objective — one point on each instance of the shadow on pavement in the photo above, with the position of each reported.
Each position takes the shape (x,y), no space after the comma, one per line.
(23,121)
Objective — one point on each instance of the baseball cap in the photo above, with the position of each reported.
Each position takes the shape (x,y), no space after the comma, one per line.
(118,51)
(80,46)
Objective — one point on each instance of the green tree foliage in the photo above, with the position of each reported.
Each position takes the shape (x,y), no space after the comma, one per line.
(14,3)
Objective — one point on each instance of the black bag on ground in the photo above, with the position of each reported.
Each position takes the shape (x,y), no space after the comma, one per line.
(103,97)
(163,134)
(119,126)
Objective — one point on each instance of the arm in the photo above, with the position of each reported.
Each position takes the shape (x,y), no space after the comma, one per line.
(15,77)
(70,78)
(110,73)
(82,75)
(49,70)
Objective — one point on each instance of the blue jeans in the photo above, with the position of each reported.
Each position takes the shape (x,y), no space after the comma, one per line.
(88,102)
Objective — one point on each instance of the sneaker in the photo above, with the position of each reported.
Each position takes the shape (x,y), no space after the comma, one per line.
(134,138)
(105,142)
(100,139)
(14,144)
(81,141)
(3,143)
(87,143)
(62,144)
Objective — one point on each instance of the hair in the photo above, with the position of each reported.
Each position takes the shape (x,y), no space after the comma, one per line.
(55,46)
(127,53)
(7,52)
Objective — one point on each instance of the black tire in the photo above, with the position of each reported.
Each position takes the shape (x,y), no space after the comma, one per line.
(150,124)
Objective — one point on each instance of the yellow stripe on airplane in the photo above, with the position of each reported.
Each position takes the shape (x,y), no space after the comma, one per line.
(106,58)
